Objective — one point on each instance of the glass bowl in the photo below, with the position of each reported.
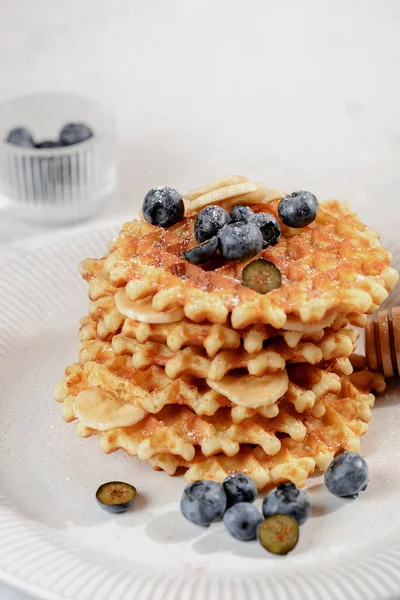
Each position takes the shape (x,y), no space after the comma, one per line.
(62,184)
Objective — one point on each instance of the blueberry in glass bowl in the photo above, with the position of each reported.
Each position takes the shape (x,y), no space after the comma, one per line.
(57,157)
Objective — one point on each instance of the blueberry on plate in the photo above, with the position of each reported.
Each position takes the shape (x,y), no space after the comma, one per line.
(347,475)
(261,275)
(289,500)
(239,488)
(48,144)
(241,214)
(19,136)
(269,227)
(74,133)
(240,241)
(163,206)
(210,220)
(203,502)
(298,209)
(116,496)
(203,253)
(278,534)
(242,521)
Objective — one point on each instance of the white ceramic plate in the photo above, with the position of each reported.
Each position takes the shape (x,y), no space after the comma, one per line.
(57,543)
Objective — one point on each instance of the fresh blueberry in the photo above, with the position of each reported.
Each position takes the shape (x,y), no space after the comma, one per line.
(239,488)
(287,499)
(241,214)
(298,209)
(203,502)
(269,227)
(209,222)
(74,133)
(203,253)
(163,206)
(347,475)
(242,521)
(48,144)
(20,137)
(240,241)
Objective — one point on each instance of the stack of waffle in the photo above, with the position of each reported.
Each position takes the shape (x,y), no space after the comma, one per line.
(185,367)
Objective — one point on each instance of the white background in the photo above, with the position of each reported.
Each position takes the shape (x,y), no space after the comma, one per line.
(296,93)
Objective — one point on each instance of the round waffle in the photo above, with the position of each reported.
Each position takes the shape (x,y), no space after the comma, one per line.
(335,265)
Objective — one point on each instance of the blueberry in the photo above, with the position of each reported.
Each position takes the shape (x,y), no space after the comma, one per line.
(48,144)
(241,214)
(279,534)
(261,275)
(298,209)
(116,496)
(239,488)
(269,227)
(287,499)
(203,253)
(242,521)
(240,241)
(347,475)
(203,502)
(74,133)
(163,206)
(20,137)
(209,222)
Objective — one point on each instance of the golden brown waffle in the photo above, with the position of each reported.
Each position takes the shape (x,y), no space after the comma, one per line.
(269,360)
(194,360)
(334,265)
(176,437)
(177,430)
(212,337)
(344,421)
(151,391)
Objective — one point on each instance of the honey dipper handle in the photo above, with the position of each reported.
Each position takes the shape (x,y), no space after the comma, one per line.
(382,342)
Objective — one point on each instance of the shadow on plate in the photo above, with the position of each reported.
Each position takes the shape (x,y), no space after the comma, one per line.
(218,540)
(322,502)
(172,528)
(391,396)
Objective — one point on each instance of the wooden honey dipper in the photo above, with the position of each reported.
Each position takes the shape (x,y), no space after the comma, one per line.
(382,342)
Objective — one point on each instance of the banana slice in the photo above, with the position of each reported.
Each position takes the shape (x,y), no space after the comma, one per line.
(142,310)
(102,411)
(295,324)
(250,391)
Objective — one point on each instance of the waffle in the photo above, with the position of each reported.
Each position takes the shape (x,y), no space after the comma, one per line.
(193,362)
(344,421)
(211,337)
(186,368)
(269,360)
(334,265)
(176,437)
(150,391)
(177,430)
(175,330)
(326,344)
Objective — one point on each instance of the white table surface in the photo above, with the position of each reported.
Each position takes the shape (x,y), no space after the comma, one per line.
(298,94)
